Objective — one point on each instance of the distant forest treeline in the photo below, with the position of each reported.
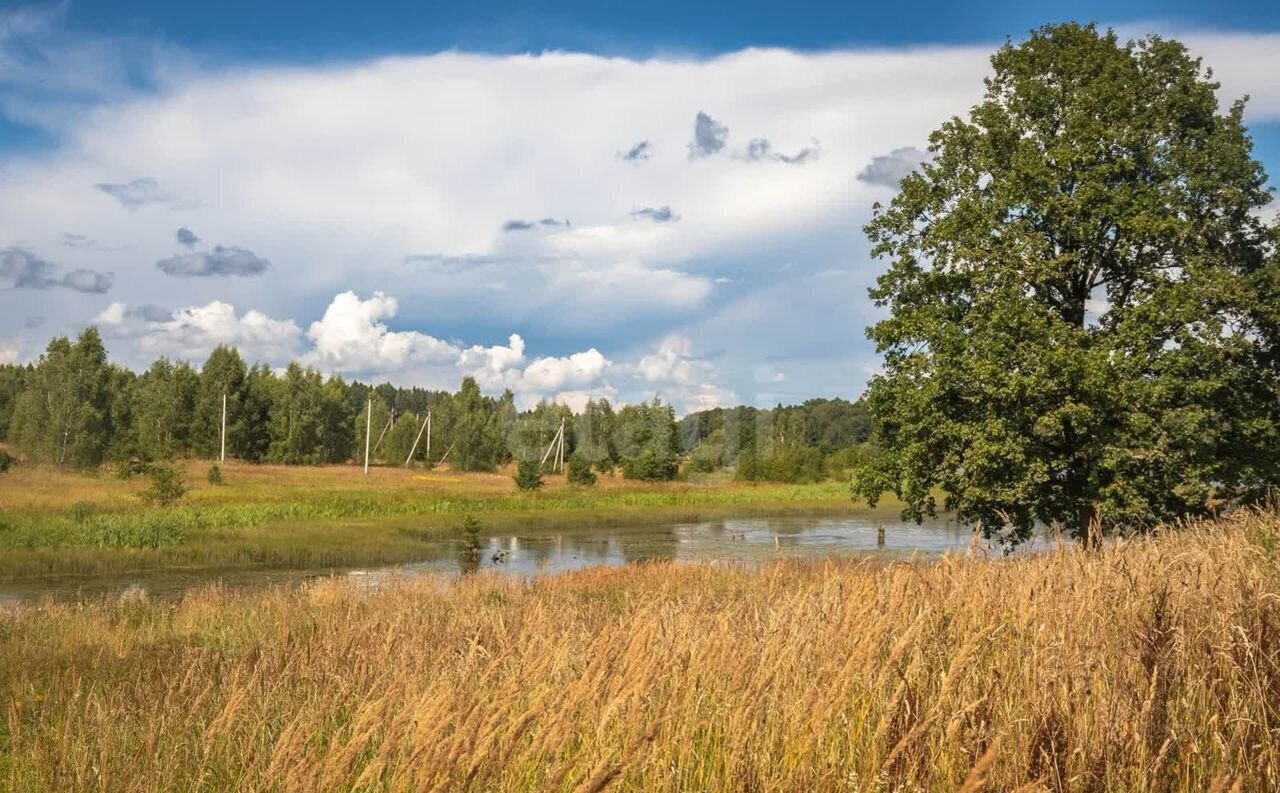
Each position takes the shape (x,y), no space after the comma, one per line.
(74,408)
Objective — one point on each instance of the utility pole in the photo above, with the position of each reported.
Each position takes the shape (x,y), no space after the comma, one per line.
(560,454)
(222,458)
(368,429)
(426,427)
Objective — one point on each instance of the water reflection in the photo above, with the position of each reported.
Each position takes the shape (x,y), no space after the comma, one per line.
(541,551)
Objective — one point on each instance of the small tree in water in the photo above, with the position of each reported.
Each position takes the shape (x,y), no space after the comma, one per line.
(1080,330)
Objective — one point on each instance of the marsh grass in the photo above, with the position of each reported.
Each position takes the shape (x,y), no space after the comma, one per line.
(1153,665)
(61,523)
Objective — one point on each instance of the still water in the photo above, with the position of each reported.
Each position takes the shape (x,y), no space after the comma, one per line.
(552,551)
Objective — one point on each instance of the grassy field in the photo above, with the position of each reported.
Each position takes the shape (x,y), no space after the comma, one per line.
(57,523)
(1151,666)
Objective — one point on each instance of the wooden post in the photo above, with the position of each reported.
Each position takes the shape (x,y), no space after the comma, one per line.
(550,447)
(560,454)
(391,417)
(368,430)
(222,458)
(421,430)
(427,453)
(446,453)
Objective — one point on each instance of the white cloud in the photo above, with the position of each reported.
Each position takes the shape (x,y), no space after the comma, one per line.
(9,353)
(493,367)
(191,333)
(674,373)
(350,337)
(553,374)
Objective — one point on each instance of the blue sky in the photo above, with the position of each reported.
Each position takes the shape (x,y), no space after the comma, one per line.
(566,199)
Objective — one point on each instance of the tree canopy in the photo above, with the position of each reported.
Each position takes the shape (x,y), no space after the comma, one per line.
(1080,330)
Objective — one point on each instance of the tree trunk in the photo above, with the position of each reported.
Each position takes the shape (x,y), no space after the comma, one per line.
(1089,529)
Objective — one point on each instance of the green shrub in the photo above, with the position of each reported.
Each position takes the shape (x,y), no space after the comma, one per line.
(6,460)
(167,486)
(650,466)
(215,474)
(580,471)
(127,469)
(528,475)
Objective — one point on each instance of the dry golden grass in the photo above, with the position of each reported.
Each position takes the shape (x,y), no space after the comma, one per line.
(1151,666)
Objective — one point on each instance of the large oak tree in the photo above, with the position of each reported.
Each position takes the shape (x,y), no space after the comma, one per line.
(1080,330)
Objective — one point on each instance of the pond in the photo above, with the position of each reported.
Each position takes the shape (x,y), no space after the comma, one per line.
(552,551)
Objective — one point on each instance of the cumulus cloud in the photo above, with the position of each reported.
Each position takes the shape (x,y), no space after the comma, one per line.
(186,237)
(352,337)
(191,333)
(556,374)
(637,153)
(25,270)
(887,170)
(688,382)
(9,353)
(139,193)
(491,365)
(662,214)
(221,261)
(709,136)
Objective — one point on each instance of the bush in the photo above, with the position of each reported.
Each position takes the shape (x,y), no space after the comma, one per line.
(127,469)
(650,467)
(580,471)
(528,475)
(6,460)
(167,486)
(215,474)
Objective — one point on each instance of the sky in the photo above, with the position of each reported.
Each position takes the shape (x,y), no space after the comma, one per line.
(565,199)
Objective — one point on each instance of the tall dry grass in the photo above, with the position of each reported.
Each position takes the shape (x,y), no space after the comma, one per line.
(1151,666)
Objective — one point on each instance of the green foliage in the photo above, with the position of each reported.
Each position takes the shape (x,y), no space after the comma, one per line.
(1092,174)
(134,466)
(476,428)
(12,378)
(6,460)
(310,419)
(214,474)
(61,414)
(375,415)
(167,486)
(579,472)
(161,409)
(224,374)
(400,437)
(648,441)
(528,475)
(650,466)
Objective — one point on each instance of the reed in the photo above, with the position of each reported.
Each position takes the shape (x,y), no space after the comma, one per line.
(1153,665)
